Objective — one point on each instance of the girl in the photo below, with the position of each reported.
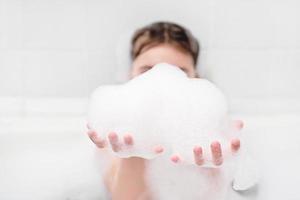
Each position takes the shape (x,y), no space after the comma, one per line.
(155,43)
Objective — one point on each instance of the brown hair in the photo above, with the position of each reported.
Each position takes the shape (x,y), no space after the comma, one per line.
(164,32)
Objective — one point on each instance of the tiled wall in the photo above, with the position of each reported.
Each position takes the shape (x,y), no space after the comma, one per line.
(66,48)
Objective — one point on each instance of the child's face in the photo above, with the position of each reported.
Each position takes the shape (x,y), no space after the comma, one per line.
(163,53)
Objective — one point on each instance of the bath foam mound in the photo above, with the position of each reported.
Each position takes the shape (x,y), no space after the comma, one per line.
(164,107)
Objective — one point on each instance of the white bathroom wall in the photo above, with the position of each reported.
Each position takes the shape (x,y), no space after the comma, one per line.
(66,48)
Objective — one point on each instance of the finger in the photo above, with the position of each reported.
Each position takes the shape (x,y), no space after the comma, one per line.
(175,158)
(158,149)
(114,141)
(96,139)
(92,135)
(100,143)
(216,153)
(235,145)
(128,140)
(238,124)
(88,126)
(198,155)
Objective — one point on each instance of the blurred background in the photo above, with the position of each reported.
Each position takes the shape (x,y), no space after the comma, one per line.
(54,53)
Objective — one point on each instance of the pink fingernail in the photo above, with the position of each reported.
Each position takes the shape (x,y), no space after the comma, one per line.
(158,149)
(175,159)
(235,144)
(198,150)
(112,136)
(215,145)
(238,124)
(91,133)
(128,139)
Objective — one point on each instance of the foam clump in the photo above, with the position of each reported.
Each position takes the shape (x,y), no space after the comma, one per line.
(164,107)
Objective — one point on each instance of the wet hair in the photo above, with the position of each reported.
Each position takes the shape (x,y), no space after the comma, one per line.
(164,32)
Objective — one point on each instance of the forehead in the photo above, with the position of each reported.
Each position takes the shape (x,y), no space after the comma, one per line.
(164,53)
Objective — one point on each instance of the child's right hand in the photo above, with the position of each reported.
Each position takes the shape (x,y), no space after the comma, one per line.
(114,141)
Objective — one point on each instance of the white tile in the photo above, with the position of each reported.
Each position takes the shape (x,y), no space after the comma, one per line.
(54,24)
(55,74)
(103,24)
(285,73)
(101,69)
(57,106)
(10,106)
(272,74)
(240,73)
(284,23)
(11,24)
(267,105)
(107,21)
(11,73)
(241,24)
(197,16)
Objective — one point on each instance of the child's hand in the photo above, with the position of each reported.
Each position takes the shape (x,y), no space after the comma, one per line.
(215,148)
(115,143)
(99,142)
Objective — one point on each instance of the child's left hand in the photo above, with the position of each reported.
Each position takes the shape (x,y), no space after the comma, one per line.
(215,148)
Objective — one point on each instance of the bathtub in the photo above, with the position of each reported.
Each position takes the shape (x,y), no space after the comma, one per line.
(45,153)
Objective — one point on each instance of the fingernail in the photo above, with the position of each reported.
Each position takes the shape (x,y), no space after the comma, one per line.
(158,149)
(175,159)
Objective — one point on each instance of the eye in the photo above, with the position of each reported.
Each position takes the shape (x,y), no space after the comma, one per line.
(183,69)
(186,71)
(145,68)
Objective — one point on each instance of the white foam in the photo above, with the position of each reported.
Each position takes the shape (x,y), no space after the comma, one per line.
(163,107)
(174,181)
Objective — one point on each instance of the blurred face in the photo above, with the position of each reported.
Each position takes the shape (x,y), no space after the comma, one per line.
(163,53)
